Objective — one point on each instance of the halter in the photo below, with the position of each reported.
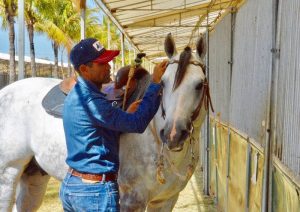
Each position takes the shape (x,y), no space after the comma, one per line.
(205,99)
(193,62)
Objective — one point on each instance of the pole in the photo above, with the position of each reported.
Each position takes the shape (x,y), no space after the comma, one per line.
(206,158)
(82,23)
(271,124)
(122,49)
(21,37)
(108,34)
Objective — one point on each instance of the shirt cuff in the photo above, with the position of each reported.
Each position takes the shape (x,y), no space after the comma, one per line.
(155,87)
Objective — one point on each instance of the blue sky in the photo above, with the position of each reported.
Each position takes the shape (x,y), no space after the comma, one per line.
(43,48)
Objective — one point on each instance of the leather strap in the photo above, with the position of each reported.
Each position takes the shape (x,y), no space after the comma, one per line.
(94,177)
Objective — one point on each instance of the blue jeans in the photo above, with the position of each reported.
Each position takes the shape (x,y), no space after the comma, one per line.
(77,196)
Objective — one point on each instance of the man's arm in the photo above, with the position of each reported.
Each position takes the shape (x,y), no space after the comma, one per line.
(114,118)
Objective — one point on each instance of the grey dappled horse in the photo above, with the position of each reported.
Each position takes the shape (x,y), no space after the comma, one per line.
(154,166)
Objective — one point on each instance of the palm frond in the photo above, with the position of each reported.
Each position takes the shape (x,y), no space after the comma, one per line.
(55,33)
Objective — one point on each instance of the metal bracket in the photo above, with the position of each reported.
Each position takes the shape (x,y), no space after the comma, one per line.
(275,51)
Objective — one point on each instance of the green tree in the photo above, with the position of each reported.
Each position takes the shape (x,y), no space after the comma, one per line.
(31,19)
(55,15)
(9,11)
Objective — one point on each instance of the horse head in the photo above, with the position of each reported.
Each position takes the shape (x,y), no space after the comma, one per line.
(184,93)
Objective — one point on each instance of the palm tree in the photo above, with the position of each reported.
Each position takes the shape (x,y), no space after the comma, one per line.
(54,14)
(71,26)
(31,19)
(63,28)
(9,9)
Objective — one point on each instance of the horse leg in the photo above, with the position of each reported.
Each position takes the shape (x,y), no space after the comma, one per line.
(162,206)
(9,176)
(32,190)
(132,200)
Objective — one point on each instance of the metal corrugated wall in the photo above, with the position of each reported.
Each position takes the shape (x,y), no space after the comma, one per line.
(288,95)
(245,104)
(252,65)
(219,67)
(256,62)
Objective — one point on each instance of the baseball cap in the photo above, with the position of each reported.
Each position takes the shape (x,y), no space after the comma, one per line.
(90,50)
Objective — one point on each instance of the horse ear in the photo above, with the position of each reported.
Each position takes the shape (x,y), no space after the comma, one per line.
(170,47)
(201,47)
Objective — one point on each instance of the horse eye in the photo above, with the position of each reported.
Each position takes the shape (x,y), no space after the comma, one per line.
(199,86)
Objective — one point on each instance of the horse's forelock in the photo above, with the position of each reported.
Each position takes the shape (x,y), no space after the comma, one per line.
(184,60)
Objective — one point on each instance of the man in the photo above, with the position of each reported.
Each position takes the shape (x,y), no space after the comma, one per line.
(92,128)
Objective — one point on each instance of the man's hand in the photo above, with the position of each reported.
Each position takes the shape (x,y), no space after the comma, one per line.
(159,70)
(134,106)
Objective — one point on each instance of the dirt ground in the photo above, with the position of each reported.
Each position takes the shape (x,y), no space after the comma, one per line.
(190,199)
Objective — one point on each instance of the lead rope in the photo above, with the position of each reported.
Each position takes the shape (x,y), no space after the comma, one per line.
(192,163)
(160,177)
(160,163)
(130,75)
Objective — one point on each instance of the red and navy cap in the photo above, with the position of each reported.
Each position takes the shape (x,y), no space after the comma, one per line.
(90,50)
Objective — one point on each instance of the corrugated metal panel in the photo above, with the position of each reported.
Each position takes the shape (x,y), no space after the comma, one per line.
(288,100)
(219,68)
(252,68)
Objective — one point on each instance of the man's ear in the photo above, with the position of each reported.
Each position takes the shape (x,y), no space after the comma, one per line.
(82,69)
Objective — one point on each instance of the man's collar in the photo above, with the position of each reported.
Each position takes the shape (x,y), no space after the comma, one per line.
(89,85)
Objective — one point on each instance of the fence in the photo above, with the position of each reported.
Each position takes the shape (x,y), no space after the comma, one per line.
(237,172)
(42,70)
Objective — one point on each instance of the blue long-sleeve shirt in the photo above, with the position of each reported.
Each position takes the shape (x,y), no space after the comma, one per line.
(92,126)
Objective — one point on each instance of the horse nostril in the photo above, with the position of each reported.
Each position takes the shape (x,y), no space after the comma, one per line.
(189,126)
(162,132)
(162,136)
(184,135)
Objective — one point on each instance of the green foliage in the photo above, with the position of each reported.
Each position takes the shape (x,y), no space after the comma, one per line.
(60,21)
(7,8)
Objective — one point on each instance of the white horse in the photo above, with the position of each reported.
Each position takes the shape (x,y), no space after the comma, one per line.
(151,174)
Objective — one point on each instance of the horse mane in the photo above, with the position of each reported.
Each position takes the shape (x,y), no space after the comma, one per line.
(184,60)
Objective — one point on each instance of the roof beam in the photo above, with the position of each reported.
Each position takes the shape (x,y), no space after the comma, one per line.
(151,48)
(157,31)
(116,10)
(115,21)
(156,37)
(171,26)
(190,11)
(160,42)
(196,27)
(148,4)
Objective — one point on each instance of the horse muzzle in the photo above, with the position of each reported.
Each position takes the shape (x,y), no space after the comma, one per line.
(174,139)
